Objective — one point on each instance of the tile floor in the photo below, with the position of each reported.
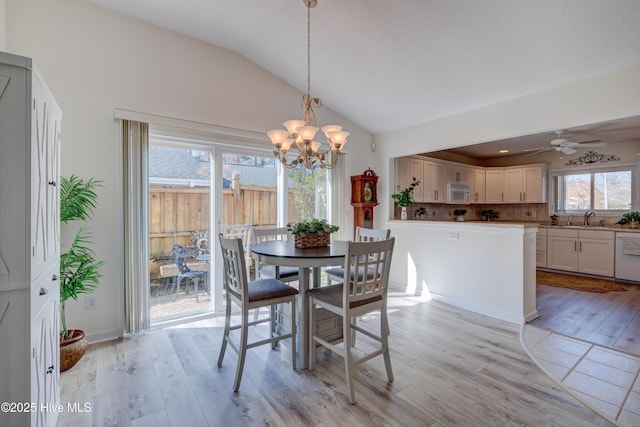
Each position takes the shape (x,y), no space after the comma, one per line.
(606,380)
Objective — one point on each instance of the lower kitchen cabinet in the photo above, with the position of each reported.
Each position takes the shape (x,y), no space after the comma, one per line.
(541,247)
(582,251)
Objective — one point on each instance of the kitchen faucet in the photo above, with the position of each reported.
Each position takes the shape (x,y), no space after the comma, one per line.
(587,215)
(569,220)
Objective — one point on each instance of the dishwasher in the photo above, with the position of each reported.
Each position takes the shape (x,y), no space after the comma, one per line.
(627,265)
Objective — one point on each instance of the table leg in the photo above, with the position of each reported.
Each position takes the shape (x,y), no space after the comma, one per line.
(303,320)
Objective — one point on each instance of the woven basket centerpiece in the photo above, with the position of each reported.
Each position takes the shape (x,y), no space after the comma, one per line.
(312,241)
(312,233)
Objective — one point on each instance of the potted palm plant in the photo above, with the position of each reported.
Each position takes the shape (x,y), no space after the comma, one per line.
(404,197)
(79,270)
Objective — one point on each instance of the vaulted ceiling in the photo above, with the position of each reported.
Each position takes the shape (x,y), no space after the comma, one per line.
(389,64)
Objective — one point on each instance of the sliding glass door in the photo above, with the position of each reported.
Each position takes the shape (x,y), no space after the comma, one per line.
(180,239)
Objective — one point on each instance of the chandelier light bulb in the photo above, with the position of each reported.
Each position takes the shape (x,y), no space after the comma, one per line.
(278,136)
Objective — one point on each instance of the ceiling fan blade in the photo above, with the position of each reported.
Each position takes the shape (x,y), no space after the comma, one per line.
(592,144)
(568,150)
(537,151)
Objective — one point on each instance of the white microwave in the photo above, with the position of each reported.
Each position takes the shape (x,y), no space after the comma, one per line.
(457,193)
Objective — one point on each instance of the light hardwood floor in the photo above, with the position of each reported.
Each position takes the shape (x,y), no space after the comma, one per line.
(452,367)
(611,319)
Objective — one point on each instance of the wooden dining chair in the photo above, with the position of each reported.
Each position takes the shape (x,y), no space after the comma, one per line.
(360,294)
(264,270)
(248,296)
(362,235)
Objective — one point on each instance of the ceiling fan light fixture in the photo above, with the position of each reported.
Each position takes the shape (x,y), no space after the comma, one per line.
(559,141)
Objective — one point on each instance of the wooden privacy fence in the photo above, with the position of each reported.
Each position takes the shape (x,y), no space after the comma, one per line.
(174,213)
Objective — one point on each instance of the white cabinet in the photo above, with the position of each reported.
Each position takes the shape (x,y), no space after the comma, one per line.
(521,184)
(476,181)
(525,184)
(408,168)
(29,243)
(494,179)
(457,173)
(434,182)
(582,251)
(541,247)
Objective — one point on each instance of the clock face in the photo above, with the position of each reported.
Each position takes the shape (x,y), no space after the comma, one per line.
(368,192)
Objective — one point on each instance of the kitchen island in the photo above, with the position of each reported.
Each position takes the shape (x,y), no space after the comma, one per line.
(485,267)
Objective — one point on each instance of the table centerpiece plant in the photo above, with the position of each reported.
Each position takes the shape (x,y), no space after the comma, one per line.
(404,197)
(311,233)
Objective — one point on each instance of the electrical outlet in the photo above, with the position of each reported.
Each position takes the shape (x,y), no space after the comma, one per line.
(90,302)
(533,214)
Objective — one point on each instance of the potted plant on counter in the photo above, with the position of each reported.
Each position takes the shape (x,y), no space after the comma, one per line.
(489,214)
(79,270)
(633,218)
(404,197)
(459,213)
(311,233)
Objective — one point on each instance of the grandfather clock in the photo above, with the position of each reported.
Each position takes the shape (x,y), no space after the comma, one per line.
(364,197)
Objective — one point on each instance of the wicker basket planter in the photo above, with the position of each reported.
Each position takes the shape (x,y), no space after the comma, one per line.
(312,240)
(312,233)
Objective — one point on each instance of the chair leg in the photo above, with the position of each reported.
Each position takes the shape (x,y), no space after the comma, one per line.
(225,335)
(294,357)
(196,283)
(384,322)
(178,282)
(242,350)
(348,361)
(272,325)
(312,343)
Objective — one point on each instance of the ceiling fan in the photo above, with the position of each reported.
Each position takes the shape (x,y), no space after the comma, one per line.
(563,144)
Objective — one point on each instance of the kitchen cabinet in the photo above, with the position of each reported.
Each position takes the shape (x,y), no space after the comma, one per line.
(434,184)
(457,173)
(29,243)
(494,179)
(541,247)
(582,251)
(522,184)
(525,184)
(476,181)
(406,169)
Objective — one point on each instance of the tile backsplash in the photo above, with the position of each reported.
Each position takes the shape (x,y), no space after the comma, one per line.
(534,212)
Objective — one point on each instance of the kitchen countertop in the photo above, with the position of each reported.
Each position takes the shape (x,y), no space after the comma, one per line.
(513,224)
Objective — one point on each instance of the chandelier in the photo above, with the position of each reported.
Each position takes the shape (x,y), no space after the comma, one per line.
(300,133)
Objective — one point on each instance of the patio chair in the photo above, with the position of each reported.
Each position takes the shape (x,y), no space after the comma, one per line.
(180,255)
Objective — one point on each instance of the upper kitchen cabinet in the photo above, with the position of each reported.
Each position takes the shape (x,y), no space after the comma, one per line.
(457,173)
(525,184)
(434,183)
(494,181)
(476,181)
(408,168)
(518,184)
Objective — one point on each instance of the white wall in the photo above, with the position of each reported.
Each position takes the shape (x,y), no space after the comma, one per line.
(603,98)
(3,25)
(488,268)
(95,60)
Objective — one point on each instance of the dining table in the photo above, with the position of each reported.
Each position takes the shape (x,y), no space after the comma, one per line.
(285,253)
